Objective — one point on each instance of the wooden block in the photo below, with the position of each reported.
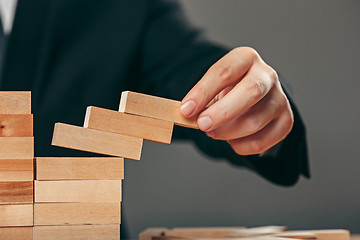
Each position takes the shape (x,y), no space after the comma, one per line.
(12,170)
(77,232)
(297,235)
(16,233)
(203,232)
(80,168)
(76,213)
(16,147)
(15,102)
(96,141)
(16,125)
(16,192)
(326,234)
(131,125)
(16,215)
(155,107)
(78,191)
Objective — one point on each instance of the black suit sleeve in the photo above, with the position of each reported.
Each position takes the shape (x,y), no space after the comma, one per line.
(174,57)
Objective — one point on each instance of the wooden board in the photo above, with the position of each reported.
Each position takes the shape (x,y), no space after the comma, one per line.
(155,107)
(16,233)
(77,213)
(78,191)
(12,170)
(77,232)
(151,232)
(16,192)
(131,125)
(97,141)
(16,125)
(80,168)
(16,215)
(325,234)
(16,147)
(13,102)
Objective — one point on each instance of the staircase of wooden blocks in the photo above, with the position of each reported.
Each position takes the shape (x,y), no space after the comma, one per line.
(80,198)
(75,198)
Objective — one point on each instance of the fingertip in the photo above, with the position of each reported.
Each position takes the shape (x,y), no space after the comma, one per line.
(205,123)
(187,108)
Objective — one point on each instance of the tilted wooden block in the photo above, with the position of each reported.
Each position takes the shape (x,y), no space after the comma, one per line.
(16,233)
(96,141)
(15,102)
(12,170)
(16,147)
(16,125)
(155,107)
(78,191)
(16,192)
(77,213)
(77,232)
(150,129)
(16,215)
(79,168)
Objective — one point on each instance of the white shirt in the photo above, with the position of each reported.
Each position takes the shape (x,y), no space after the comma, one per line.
(7,12)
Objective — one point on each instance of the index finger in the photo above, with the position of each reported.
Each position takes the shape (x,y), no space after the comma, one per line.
(229,69)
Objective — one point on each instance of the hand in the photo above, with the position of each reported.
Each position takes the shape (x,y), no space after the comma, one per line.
(240,100)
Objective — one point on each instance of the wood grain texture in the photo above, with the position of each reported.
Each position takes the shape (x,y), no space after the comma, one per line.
(16,215)
(80,168)
(15,102)
(16,192)
(16,125)
(76,213)
(78,191)
(97,141)
(202,232)
(325,234)
(16,147)
(16,233)
(77,232)
(150,129)
(155,107)
(12,170)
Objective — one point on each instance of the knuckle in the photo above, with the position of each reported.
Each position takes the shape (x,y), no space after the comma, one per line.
(256,90)
(249,51)
(273,75)
(199,93)
(223,72)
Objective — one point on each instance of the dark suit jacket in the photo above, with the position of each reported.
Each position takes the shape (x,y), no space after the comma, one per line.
(73,54)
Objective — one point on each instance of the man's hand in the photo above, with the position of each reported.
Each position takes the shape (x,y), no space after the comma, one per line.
(240,100)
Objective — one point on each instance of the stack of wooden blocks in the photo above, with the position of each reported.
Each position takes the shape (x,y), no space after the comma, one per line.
(75,198)
(16,165)
(115,133)
(80,198)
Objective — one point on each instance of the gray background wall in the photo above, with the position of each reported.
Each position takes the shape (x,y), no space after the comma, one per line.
(315,45)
